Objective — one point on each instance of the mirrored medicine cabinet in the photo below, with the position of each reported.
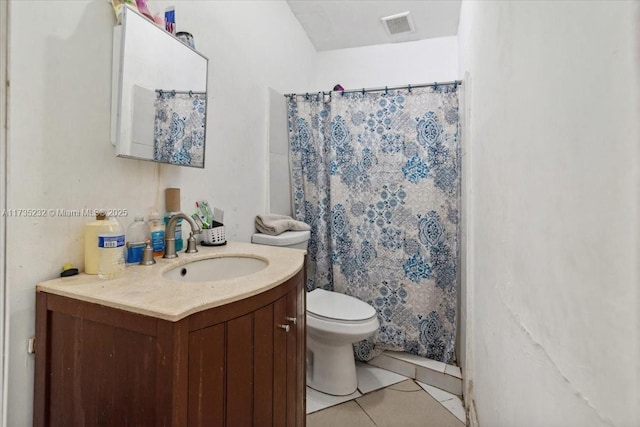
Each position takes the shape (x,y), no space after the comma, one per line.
(159,95)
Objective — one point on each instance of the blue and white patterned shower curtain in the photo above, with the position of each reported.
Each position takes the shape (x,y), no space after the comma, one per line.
(377,176)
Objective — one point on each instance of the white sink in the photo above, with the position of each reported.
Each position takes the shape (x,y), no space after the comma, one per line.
(221,268)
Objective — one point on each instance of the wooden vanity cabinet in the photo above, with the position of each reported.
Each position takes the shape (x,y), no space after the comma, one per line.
(241,364)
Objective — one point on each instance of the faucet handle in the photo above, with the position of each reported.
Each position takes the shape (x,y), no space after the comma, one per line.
(147,254)
(191,244)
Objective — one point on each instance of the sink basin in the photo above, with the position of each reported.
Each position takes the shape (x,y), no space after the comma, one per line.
(222,268)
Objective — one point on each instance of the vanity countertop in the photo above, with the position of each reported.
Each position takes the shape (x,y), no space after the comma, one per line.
(144,290)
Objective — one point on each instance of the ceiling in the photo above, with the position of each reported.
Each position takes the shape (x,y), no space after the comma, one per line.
(340,24)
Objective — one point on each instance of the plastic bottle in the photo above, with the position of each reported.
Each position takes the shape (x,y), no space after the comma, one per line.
(137,235)
(156,228)
(111,248)
(91,252)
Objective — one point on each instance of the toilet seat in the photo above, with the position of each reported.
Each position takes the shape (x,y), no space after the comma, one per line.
(342,321)
(333,306)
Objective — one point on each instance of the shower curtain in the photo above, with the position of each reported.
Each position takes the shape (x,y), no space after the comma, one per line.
(377,177)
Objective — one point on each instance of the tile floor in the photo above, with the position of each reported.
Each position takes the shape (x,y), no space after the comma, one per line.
(385,398)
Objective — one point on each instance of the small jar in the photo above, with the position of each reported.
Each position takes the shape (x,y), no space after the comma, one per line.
(186,38)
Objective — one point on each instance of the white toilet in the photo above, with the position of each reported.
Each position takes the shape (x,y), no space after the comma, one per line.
(334,323)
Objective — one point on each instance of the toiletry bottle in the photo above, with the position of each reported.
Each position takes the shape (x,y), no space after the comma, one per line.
(156,228)
(170,19)
(111,248)
(137,235)
(91,253)
(172,203)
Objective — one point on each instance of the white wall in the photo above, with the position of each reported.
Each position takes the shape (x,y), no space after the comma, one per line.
(3,192)
(280,193)
(423,61)
(553,206)
(59,152)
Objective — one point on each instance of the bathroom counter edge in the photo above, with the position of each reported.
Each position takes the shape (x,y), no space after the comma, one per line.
(144,290)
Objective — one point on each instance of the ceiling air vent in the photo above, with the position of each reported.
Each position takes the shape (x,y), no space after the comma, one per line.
(398,23)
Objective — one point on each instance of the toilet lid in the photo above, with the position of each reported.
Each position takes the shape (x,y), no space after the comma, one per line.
(333,305)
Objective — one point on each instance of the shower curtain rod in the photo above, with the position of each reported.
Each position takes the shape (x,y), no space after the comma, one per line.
(381,89)
(181,92)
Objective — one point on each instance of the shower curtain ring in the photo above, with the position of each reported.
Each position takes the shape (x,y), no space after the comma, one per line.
(409,88)
(173,93)
(363,91)
(190,94)
(386,90)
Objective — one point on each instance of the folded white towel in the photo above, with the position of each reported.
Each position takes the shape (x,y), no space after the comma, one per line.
(275,224)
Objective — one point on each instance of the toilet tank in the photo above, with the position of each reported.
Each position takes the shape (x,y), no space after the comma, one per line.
(288,239)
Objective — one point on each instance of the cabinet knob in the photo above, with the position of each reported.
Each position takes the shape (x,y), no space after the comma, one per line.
(291,319)
(285,327)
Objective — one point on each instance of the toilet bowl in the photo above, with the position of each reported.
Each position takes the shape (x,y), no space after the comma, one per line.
(334,323)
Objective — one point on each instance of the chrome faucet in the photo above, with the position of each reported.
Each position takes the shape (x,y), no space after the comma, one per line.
(170,236)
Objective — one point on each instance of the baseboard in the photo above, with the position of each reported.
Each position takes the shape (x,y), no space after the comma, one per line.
(436,374)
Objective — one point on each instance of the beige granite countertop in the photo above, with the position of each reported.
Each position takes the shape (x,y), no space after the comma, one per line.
(144,290)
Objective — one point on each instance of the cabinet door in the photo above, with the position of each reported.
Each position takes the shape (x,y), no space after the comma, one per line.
(206,405)
(231,372)
(292,352)
(247,371)
(90,370)
(264,357)
(289,347)
(279,386)
(280,362)
(301,353)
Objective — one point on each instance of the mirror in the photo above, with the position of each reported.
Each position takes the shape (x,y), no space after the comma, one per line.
(159,95)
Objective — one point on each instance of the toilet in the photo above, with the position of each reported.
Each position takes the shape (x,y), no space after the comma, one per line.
(334,323)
